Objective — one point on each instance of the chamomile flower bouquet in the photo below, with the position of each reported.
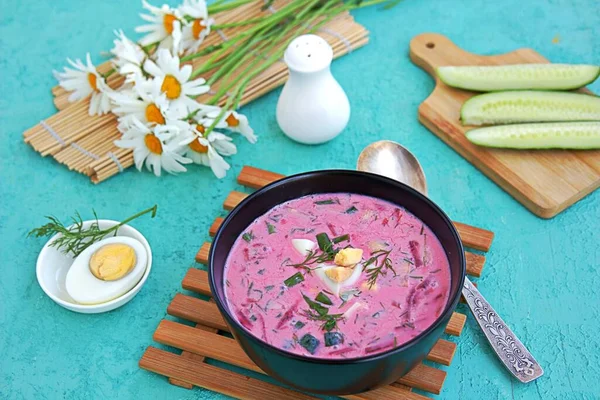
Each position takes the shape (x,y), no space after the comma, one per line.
(158,114)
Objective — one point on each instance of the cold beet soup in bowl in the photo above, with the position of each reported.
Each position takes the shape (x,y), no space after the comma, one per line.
(337,282)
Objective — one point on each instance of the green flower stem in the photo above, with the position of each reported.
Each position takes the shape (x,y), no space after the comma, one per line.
(281,48)
(220,6)
(268,22)
(206,68)
(109,73)
(226,81)
(233,60)
(239,23)
(235,98)
(204,52)
(363,4)
(254,47)
(330,14)
(240,89)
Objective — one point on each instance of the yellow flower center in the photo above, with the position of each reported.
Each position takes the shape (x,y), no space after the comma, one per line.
(197,28)
(168,20)
(232,121)
(92,79)
(153,114)
(198,147)
(153,144)
(171,87)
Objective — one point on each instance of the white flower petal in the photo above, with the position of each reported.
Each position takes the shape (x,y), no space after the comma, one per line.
(153,69)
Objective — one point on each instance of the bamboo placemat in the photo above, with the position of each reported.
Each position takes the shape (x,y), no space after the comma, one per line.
(85,143)
(203,341)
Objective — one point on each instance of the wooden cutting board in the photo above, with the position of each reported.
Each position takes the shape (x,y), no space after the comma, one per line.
(544,181)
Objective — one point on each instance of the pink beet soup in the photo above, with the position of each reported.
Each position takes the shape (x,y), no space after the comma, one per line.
(298,298)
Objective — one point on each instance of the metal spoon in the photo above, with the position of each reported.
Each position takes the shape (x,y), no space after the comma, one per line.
(396,162)
(390,159)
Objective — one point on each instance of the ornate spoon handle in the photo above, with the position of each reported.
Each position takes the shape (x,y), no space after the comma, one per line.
(515,357)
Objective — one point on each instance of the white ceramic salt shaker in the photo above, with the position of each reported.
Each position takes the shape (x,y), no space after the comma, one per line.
(312,108)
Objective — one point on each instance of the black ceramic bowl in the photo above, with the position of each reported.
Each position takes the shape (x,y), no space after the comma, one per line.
(343,376)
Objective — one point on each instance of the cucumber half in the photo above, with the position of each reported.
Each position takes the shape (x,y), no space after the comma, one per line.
(529,106)
(519,77)
(552,135)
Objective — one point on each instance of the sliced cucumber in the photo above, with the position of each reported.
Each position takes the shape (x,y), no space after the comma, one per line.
(529,106)
(519,76)
(552,135)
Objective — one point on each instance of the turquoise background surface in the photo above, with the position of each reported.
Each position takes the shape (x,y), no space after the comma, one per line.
(541,275)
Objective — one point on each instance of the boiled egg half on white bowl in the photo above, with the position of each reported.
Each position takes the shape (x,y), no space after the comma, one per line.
(105,276)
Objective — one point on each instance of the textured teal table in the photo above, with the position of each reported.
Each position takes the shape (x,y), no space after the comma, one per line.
(541,275)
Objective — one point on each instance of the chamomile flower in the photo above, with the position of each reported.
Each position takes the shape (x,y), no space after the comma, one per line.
(83,81)
(144,103)
(164,27)
(222,143)
(235,122)
(155,148)
(194,33)
(173,80)
(129,57)
(239,123)
(205,150)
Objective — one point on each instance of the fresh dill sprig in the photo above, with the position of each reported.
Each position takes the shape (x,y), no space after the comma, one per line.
(326,251)
(378,266)
(318,312)
(75,238)
(329,321)
(313,257)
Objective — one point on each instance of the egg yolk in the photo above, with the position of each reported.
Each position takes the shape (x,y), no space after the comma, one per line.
(339,274)
(348,257)
(112,262)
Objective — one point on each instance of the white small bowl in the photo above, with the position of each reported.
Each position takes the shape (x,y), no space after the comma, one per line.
(53,265)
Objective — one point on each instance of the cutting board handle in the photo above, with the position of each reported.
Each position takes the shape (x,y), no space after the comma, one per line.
(432,50)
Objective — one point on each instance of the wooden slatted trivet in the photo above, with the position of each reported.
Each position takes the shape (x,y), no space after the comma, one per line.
(203,341)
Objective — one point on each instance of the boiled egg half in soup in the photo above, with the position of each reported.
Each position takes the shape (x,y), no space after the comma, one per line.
(344,273)
(106,270)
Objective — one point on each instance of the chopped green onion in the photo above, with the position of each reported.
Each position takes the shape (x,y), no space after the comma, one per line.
(271,228)
(248,236)
(351,210)
(310,343)
(341,238)
(324,242)
(294,279)
(328,201)
(322,298)
(321,310)
(330,324)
